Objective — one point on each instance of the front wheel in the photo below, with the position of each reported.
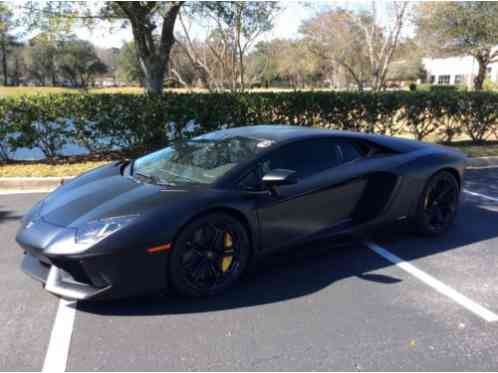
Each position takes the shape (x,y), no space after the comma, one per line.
(438,204)
(209,255)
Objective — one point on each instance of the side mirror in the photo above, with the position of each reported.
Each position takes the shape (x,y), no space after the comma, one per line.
(279,177)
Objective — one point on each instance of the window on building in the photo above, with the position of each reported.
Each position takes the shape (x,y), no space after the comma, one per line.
(489,70)
(443,79)
(459,79)
(432,79)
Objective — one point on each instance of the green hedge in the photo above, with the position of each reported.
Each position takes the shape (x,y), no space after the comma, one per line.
(139,123)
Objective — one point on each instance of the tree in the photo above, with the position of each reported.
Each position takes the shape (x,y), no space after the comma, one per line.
(407,63)
(334,36)
(152,24)
(41,57)
(153,53)
(17,65)
(129,69)
(383,39)
(109,56)
(79,63)
(362,43)
(296,63)
(233,28)
(461,28)
(262,66)
(200,55)
(7,39)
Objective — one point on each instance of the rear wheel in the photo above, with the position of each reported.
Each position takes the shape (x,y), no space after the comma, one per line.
(209,255)
(438,204)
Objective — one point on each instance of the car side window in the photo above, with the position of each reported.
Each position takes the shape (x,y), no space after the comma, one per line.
(349,151)
(307,157)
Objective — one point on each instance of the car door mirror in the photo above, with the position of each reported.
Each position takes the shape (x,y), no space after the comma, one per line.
(279,177)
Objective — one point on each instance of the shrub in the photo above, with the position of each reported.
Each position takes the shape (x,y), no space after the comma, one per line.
(479,114)
(443,88)
(140,123)
(424,87)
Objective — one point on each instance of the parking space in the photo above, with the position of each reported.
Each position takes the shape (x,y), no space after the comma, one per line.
(483,181)
(344,309)
(26,312)
(466,258)
(314,308)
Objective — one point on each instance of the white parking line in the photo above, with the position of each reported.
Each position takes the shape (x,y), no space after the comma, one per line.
(480,195)
(60,338)
(480,167)
(434,283)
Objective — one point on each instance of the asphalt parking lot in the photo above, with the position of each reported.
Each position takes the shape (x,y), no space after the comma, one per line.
(427,305)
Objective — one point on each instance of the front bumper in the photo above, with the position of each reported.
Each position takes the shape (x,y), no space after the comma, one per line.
(59,282)
(122,272)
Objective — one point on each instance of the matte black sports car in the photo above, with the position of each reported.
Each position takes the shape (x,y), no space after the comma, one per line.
(193,215)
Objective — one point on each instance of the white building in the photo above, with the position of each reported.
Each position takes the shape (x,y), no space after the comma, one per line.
(456,70)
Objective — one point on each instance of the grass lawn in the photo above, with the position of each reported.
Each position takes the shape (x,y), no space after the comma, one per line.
(44,169)
(26,91)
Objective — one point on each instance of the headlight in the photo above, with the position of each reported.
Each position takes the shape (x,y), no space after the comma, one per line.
(94,231)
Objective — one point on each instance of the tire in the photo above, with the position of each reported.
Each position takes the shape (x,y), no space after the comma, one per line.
(205,262)
(438,204)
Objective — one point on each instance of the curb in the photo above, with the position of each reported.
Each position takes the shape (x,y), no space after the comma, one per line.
(32,183)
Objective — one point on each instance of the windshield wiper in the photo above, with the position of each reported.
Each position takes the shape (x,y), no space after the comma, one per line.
(144,177)
(151,179)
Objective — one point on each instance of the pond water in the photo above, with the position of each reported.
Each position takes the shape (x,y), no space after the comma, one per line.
(27,154)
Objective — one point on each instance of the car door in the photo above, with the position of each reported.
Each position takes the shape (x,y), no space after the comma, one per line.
(325,195)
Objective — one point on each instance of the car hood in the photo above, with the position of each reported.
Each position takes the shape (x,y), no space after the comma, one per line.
(104,193)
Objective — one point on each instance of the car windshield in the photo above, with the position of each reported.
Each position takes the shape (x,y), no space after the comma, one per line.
(198,161)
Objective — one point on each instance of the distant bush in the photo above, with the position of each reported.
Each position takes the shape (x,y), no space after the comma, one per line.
(424,87)
(489,85)
(140,123)
(442,87)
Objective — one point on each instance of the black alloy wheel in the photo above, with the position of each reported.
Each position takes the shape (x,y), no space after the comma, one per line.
(209,255)
(438,205)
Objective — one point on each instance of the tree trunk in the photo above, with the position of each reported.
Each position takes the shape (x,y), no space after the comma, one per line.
(153,54)
(17,72)
(241,71)
(53,73)
(4,62)
(154,73)
(481,74)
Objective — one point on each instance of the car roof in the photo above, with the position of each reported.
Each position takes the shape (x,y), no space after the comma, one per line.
(281,133)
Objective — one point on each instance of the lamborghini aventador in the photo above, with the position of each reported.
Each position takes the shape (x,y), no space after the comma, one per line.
(194,215)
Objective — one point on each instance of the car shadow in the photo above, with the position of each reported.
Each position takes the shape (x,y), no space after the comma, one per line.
(308,269)
(8,215)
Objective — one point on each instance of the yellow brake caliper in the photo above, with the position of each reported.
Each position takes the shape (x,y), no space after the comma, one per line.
(227,246)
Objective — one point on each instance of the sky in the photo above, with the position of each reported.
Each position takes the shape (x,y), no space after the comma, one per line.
(286,25)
